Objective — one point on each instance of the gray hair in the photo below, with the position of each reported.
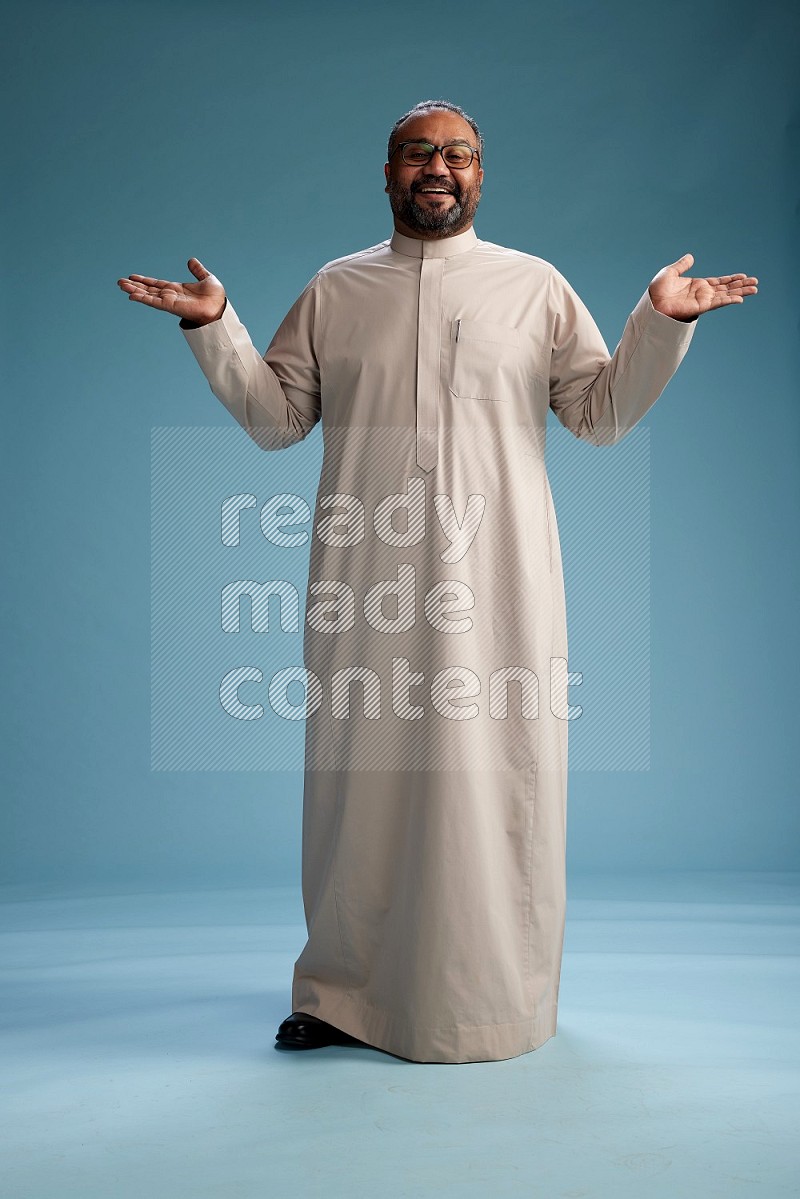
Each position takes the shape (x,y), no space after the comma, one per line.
(426,106)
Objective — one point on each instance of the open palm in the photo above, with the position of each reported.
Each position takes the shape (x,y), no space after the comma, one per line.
(684,299)
(200,302)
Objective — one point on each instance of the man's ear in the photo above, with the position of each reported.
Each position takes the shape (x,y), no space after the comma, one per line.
(386,175)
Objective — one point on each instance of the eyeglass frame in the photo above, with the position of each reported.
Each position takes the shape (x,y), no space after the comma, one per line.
(421,141)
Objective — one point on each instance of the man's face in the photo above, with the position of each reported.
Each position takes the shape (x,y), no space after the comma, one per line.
(416,213)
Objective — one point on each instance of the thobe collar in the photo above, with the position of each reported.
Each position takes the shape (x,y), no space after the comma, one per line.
(440,247)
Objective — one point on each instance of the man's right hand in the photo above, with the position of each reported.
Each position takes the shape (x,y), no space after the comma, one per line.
(197,303)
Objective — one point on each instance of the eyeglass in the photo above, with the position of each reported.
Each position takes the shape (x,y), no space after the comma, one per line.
(417,154)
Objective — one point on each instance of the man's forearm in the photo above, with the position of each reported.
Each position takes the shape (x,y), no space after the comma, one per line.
(598,397)
(273,412)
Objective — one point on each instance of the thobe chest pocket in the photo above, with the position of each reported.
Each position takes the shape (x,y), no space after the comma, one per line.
(479,351)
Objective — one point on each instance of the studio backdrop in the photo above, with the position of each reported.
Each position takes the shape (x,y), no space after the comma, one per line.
(253,137)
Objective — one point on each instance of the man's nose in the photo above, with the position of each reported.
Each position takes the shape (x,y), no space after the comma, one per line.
(436,159)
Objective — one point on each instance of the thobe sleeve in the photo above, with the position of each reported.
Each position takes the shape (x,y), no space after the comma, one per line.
(274,397)
(600,396)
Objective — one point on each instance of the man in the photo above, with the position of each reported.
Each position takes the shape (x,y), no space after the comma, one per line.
(434,817)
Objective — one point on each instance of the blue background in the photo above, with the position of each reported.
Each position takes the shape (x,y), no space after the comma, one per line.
(618,137)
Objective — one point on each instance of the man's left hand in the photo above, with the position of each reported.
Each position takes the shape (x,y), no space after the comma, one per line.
(685,299)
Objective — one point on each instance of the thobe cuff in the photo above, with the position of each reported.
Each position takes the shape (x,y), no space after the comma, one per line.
(218,335)
(659,328)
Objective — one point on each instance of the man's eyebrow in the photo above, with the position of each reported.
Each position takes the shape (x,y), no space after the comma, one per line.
(454,141)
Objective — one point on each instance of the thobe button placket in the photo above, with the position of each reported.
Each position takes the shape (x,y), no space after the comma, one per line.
(429,348)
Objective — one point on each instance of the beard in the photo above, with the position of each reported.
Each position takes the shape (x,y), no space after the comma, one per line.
(446,218)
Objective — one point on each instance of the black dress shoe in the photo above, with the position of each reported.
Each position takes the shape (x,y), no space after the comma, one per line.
(302,1031)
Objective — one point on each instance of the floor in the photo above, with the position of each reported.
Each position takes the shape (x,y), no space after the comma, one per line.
(139,1058)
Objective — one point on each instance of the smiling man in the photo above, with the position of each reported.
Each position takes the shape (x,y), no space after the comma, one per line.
(434,823)
(434,192)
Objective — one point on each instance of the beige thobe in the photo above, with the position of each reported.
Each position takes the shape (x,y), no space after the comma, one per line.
(434,814)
